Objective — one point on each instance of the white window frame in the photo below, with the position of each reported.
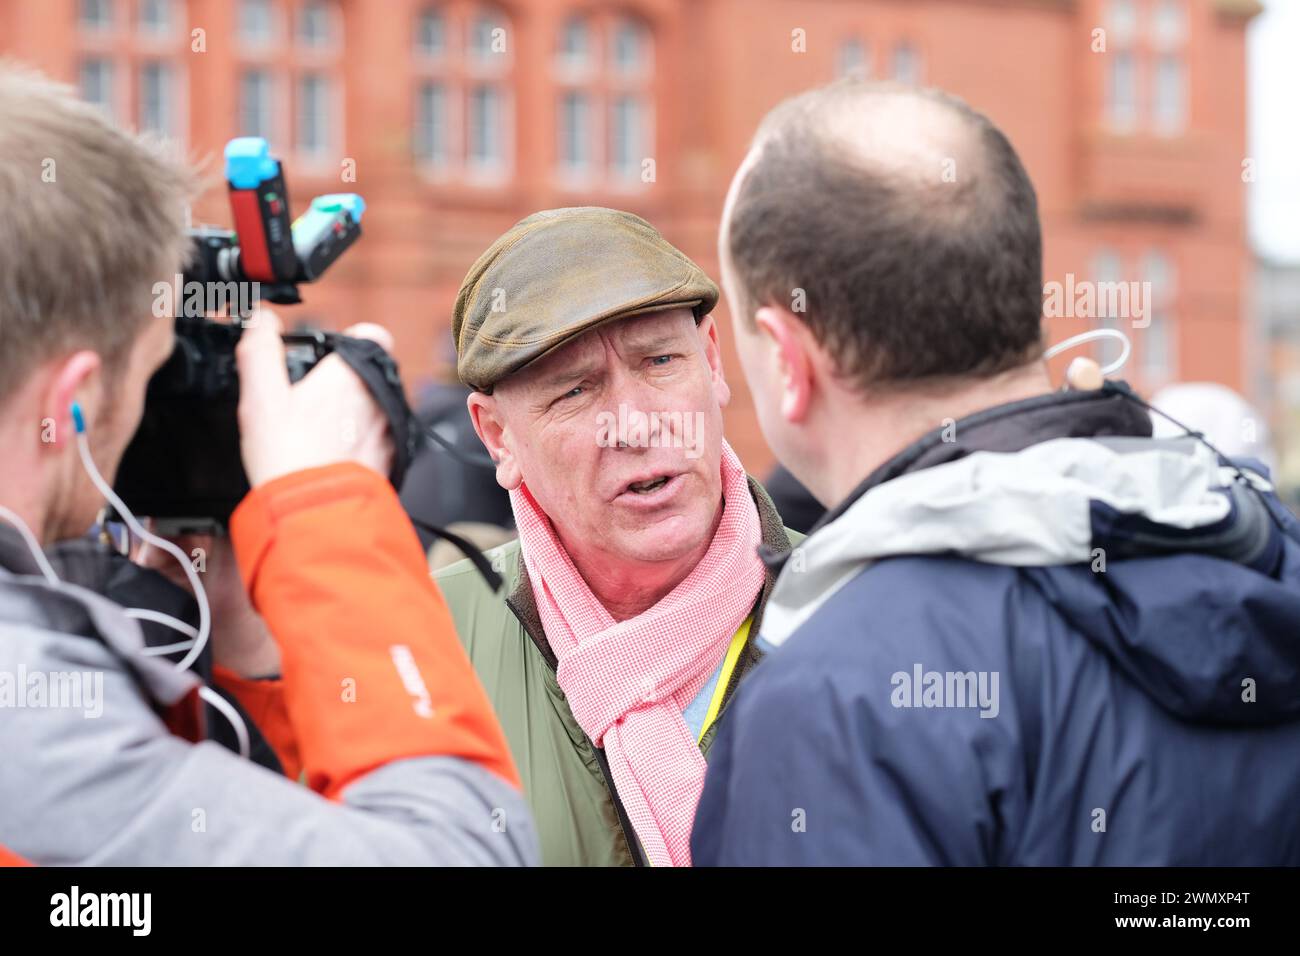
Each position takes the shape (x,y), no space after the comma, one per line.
(171,94)
(112,104)
(425,158)
(853,58)
(1162,313)
(492,172)
(274,28)
(1123,109)
(578,172)
(327,119)
(97,25)
(1169,95)
(167,29)
(644,64)
(270,101)
(630,176)
(333,27)
(905,58)
(429,54)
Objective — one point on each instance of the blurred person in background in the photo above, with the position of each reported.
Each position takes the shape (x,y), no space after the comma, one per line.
(1229,422)
(795,502)
(634,592)
(450,484)
(1026,632)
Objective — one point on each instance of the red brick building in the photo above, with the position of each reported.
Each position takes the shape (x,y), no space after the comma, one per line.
(454,118)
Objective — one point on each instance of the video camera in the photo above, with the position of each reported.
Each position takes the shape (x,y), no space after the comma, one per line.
(184,464)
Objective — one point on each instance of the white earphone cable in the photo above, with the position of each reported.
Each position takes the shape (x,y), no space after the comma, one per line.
(1093,335)
(198,638)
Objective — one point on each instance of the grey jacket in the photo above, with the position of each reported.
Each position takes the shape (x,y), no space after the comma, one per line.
(89,773)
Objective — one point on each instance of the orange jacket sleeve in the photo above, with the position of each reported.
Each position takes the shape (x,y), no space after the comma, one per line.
(372,670)
(8,858)
(263,700)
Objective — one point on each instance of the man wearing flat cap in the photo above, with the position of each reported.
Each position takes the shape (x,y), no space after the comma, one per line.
(635,589)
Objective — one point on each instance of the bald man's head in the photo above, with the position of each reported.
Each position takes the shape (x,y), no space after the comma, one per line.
(909,224)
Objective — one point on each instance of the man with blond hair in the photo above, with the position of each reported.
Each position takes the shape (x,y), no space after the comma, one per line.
(92,219)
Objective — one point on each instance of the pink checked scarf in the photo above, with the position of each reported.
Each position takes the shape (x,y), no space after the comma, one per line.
(628,682)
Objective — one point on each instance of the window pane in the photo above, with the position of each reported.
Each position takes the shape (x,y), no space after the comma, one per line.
(575,43)
(1160,273)
(155,98)
(1122,20)
(255,104)
(631,47)
(431,33)
(485,132)
(431,127)
(487,37)
(1157,349)
(1121,91)
(156,17)
(851,59)
(1156,341)
(1169,106)
(313,114)
(314,24)
(907,63)
(95,14)
(256,21)
(95,79)
(1106,270)
(1169,23)
(628,139)
(575,131)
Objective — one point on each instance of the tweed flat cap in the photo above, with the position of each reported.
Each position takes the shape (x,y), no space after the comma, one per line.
(559,273)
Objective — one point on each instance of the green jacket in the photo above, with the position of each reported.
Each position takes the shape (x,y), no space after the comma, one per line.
(580,820)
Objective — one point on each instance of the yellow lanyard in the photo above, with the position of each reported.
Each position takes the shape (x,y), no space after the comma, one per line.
(724,676)
(720,689)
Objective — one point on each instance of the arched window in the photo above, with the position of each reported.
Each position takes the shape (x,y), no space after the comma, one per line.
(316,23)
(487,104)
(575,52)
(852,59)
(257,23)
(132,62)
(157,17)
(463,108)
(1146,66)
(576,110)
(907,63)
(604,66)
(631,47)
(431,33)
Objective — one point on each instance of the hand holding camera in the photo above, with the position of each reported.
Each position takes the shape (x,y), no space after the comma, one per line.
(183,466)
(328,416)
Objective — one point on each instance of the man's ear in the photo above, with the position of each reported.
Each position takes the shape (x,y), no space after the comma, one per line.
(74,378)
(708,329)
(485,413)
(788,338)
